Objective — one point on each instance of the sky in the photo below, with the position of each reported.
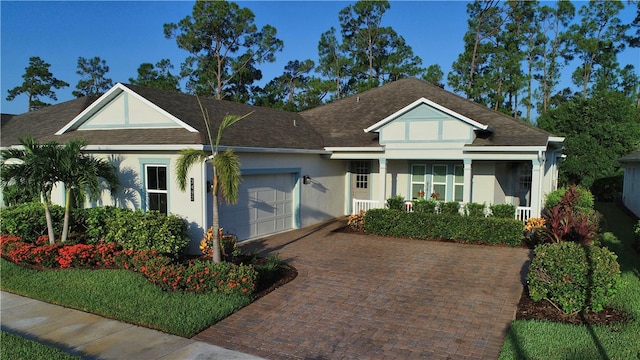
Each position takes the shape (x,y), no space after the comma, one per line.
(129,33)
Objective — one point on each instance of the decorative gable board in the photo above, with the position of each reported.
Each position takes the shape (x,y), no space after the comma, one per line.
(127,112)
(424,124)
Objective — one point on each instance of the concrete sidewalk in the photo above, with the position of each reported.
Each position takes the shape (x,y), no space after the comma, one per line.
(94,337)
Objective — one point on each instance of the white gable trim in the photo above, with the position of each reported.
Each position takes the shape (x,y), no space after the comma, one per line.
(103,100)
(375,127)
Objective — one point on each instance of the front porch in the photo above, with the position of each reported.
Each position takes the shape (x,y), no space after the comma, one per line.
(523,213)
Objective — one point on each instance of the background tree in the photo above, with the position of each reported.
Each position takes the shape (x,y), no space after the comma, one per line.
(32,168)
(553,24)
(333,62)
(92,82)
(379,54)
(222,40)
(82,173)
(597,39)
(226,171)
(469,72)
(157,77)
(434,75)
(38,81)
(598,130)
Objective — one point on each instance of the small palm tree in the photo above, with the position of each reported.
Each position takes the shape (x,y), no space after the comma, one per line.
(226,171)
(32,168)
(82,173)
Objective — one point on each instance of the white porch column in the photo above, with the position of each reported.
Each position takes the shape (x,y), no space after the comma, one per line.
(382,177)
(536,187)
(466,192)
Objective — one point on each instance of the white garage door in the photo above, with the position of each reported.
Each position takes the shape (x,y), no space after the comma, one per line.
(265,206)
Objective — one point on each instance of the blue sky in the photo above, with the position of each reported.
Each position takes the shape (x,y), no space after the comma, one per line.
(128,33)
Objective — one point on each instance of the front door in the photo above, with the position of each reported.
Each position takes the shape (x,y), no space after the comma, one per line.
(360,179)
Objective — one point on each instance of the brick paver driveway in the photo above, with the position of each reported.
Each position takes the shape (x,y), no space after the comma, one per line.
(368,297)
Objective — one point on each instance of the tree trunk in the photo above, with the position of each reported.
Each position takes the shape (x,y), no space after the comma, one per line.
(47,214)
(67,210)
(216,218)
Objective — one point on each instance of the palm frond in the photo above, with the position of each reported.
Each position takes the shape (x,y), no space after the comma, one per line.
(188,157)
(226,122)
(229,176)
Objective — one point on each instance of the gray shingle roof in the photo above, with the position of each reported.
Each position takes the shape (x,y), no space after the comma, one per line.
(342,122)
(338,124)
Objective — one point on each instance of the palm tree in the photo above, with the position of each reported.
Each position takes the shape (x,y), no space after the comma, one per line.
(82,173)
(32,168)
(226,171)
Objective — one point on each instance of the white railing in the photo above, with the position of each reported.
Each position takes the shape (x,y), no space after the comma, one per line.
(364,205)
(523,213)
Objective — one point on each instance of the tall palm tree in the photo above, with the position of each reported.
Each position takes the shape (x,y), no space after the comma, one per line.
(226,171)
(82,173)
(31,167)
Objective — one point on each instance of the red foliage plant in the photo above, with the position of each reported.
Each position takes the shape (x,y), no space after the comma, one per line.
(563,223)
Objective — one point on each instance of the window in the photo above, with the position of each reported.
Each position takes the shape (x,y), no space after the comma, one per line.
(419,184)
(439,179)
(361,169)
(156,186)
(458,183)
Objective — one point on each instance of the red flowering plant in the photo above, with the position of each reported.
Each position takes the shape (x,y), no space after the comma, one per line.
(77,256)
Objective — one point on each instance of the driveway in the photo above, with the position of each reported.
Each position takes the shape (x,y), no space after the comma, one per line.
(369,297)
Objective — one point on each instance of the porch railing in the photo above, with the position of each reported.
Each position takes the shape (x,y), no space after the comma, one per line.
(523,213)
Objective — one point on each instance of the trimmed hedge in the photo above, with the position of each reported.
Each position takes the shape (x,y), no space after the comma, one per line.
(574,277)
(476,230)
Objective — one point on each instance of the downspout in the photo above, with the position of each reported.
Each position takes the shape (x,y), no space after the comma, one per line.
(541,164)
(204,199)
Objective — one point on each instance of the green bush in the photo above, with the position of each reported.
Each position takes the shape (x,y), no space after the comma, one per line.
(28,220)
(449,227)
(147,231)
(474,209)
(425,206)
(396,203)
(450,208)
(503,210)
(574,277)
(584,202)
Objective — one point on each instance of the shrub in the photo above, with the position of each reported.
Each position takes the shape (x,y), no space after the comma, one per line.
(147,231)
(568,222)
(450,208)
(95,221)
(574,277)
(425,206)
(474,209)
(583,202)
(28,221)
(433,226)
(396,203)
(503,210)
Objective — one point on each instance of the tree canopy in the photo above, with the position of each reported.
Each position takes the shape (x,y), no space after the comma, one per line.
(92,77)
(38,81)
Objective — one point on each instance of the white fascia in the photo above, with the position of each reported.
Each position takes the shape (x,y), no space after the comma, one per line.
(247,149)
(375,127)
(110,95)
(355,149)
(513,149)
(172,147)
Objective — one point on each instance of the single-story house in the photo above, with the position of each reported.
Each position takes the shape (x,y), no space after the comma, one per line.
(406,137)
(631,187)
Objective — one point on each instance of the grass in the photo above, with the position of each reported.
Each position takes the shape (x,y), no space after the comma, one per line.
(547,340)
(122,295)
(15,347)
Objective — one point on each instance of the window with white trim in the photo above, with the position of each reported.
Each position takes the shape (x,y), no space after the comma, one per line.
(458,183)
(419,183)
(439,180)
(156,187)
(361,169)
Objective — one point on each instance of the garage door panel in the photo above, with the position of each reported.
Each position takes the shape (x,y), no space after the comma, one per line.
(265,206)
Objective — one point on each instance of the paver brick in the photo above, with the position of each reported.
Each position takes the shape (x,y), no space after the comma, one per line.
(369,297)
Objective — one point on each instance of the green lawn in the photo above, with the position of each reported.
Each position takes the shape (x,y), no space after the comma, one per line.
(123,295)
(14,347)
(546,340)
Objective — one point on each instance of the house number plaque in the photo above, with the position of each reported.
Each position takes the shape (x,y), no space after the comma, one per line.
(192,192)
